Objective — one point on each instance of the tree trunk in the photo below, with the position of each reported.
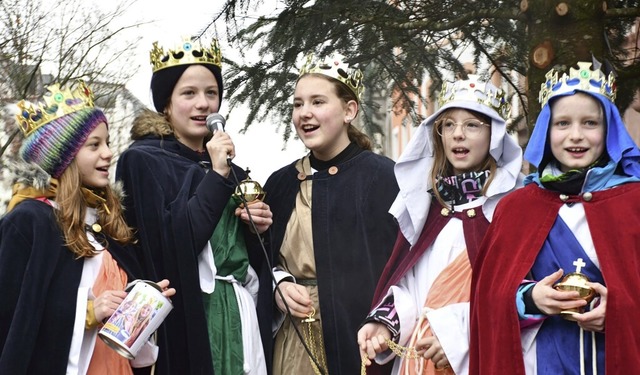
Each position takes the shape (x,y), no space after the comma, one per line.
(561,32)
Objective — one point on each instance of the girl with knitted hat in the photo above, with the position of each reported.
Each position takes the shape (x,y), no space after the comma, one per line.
(577,215)
(64,259)
(456,167)
(179,180)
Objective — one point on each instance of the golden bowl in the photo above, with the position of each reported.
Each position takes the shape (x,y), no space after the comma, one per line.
(575,282)
(248,191)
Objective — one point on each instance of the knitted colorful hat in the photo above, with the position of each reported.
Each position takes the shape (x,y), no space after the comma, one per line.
(55,132)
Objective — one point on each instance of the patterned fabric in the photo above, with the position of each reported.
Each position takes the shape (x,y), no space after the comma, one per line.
(54,145)
(570,182)
(462,188)
(386,314)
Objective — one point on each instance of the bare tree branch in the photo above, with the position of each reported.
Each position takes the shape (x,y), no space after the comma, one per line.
(68,40)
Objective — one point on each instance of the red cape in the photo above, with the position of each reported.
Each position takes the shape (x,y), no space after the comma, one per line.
(520,226)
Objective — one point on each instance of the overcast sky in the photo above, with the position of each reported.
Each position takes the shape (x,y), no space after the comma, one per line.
(260,148)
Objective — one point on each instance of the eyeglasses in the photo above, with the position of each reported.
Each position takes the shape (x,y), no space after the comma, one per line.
(470,127)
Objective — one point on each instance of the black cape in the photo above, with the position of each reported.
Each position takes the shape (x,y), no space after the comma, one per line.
(39,278)
(174,205)
(353,236)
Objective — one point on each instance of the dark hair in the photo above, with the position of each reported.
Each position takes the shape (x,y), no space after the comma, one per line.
(163,82)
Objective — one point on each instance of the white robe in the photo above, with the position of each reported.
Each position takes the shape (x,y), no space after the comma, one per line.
(246,296)
(450,324)
(84,340)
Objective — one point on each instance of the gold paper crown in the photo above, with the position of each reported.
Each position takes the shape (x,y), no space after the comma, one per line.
(584,78)
(189,52)
(472,89)
(57,103)
(333,66)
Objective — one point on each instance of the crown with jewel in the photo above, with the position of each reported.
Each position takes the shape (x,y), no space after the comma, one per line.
(333,66)
(189,52)
(474,90)
(58,102)
(584,78)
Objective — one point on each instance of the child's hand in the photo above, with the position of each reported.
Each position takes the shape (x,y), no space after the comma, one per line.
(260,214)
(297,298)
(551,301)
(594,320)
(372,340)
(166,291)
(106,303)
(430,348)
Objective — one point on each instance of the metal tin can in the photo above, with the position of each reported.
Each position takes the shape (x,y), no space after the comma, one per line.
(137,317)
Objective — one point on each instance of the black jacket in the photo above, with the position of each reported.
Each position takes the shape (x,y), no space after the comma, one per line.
(174,202)
(39,279)
(353,235)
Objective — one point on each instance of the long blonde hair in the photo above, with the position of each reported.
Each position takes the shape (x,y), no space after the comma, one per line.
(71,211)
(441,165)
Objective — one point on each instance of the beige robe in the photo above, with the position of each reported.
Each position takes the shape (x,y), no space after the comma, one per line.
(297,258)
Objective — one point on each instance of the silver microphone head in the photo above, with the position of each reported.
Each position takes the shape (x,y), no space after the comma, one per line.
(215,122)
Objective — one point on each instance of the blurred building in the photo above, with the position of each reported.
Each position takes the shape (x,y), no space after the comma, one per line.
(400,125)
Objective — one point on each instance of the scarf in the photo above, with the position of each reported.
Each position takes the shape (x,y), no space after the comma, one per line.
(21,192)
(463,188)
(570,182)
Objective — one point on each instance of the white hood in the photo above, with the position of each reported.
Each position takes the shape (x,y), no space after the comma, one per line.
(413,169)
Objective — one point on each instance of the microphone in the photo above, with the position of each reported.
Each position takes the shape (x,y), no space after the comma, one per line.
(215,122)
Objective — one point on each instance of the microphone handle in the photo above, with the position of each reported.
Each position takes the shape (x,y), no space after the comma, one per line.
(213,128)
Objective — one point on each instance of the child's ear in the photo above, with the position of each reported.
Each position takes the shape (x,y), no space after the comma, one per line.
(351,111)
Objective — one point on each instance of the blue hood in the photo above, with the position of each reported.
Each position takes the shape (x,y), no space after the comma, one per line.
(620,147)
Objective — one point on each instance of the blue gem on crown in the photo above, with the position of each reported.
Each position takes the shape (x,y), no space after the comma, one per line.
(188,52)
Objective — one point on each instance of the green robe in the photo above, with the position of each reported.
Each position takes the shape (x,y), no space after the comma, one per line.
(221,307)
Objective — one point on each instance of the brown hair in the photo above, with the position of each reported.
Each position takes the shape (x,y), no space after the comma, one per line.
(344,92)
(441,165)
(71,214)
